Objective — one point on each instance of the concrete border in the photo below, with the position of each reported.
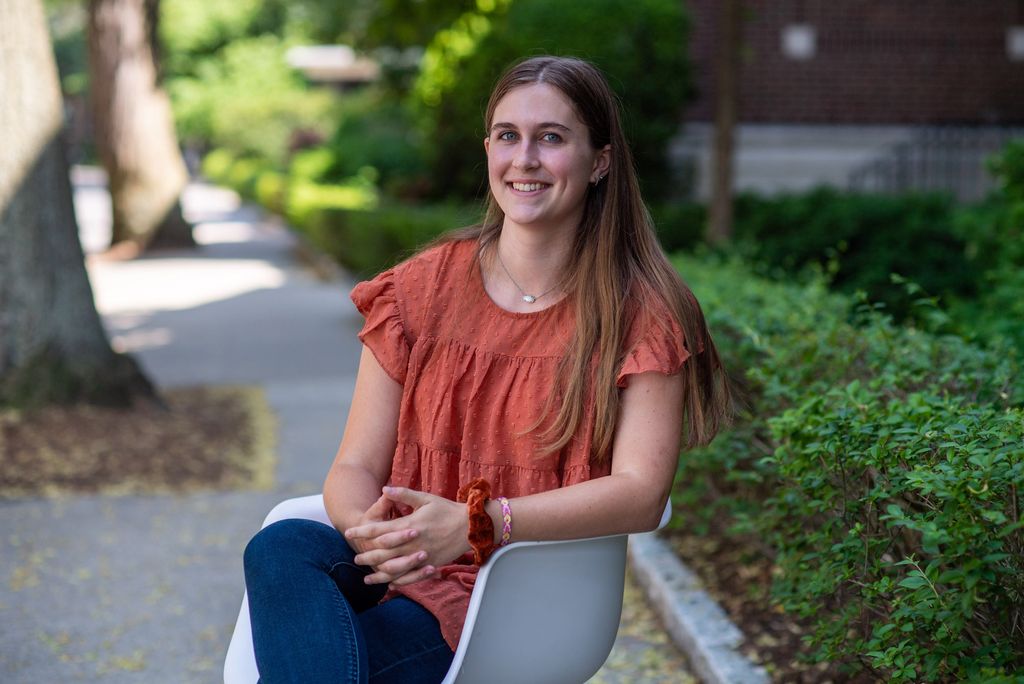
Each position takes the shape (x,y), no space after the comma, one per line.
(698,625)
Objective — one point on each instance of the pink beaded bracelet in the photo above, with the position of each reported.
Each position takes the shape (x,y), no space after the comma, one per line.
(506,521)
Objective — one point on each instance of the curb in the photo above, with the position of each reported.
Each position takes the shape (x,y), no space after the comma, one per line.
(697,625)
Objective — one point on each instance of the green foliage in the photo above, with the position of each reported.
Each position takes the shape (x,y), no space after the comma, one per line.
(641,46)
(248,100)
(994,232)
(860,240)
(67,30)
(883,464)
(375,130)
(367,242)
(191,30)
(344,219)
(680,225)
(408,23)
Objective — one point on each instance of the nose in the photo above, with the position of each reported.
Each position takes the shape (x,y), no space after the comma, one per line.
(526,155)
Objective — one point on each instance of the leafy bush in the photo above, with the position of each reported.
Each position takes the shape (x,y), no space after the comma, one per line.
(306,198)
(369,241)
(680,225)
(861,240)
(994,232)
(375,130)
(191,30)
(883,464)
(240,173)
(641,46)
(246,99)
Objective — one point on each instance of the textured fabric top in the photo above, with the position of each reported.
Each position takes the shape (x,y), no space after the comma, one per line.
(475,378)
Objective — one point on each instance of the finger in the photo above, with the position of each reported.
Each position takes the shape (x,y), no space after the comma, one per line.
(417,575)
(375,529)
(392,540)
(373,557)
(379,510)
(409,497)
(395,568)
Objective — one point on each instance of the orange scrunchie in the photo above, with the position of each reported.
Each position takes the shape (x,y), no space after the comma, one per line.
(481,527)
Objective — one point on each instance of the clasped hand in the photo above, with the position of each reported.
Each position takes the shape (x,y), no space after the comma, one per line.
(410,548)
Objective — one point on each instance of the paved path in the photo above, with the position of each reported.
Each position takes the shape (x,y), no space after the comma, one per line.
(147,588)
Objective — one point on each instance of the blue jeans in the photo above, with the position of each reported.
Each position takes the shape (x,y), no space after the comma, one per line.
(314,620)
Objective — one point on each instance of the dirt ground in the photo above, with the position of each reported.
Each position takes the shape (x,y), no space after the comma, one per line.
(202,439)
(737,574)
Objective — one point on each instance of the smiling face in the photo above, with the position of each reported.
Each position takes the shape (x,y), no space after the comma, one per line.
(540,160)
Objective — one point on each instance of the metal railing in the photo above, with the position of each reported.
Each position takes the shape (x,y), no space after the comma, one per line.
(937,158)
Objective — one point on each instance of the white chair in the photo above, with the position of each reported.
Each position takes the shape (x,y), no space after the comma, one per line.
(541,612)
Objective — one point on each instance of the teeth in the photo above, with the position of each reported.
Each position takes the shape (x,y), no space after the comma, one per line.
(526,187)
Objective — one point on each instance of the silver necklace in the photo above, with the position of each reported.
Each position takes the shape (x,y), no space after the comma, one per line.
(528,298)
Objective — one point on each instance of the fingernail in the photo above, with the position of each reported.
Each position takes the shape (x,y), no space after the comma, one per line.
(389,490)
(422,555)
(429,570)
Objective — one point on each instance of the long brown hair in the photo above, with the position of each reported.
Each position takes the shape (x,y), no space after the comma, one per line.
(616,269)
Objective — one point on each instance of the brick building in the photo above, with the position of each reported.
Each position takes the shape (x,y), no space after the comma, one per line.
(870,61)
(830,88)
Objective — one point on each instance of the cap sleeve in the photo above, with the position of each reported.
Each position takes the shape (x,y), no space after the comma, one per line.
(659,347)
(384,330)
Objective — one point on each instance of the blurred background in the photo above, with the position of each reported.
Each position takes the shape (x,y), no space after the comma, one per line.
(362,124)
(841,183)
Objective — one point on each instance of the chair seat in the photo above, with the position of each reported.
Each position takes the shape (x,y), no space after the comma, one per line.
(540,612)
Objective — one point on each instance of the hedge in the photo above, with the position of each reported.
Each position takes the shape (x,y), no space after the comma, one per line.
(860,240)
(368,241)
(883,465)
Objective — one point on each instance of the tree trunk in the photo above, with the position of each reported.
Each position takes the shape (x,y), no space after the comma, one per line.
(52,344)
(727,67)
(134,127)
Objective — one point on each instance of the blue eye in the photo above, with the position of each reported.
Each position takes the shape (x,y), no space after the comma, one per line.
(551,138)
(507,136)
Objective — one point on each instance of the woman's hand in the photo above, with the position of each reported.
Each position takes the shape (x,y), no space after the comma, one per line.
(383,509)
(410,548)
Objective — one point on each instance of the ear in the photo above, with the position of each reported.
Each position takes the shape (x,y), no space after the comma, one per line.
(487,144)
(602,162)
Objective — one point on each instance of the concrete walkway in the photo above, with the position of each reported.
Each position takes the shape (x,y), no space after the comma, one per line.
(147,588)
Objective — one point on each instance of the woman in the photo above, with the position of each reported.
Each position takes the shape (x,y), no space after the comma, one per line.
(537,366)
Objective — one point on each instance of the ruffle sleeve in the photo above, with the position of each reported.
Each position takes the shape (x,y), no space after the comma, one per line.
(660,347)
(384,330)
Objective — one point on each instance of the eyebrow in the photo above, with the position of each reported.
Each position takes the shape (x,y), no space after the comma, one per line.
(546,124)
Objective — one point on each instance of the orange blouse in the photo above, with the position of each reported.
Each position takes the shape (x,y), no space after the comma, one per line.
(475,376)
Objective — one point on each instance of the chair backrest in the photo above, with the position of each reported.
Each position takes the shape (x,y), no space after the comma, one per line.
(543,612)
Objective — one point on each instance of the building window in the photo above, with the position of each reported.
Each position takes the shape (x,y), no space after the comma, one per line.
(1015,43)
(799,41)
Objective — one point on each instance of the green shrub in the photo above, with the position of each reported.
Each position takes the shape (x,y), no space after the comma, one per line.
(216,164)
(369,241)
(376,131)
(307,198)
(994,232)
(883,464)
(271,190)
(680,225)
(861,240)
(247,99)
(240,173)
(641,46)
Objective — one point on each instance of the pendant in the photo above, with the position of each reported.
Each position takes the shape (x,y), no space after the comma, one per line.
(529,299)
